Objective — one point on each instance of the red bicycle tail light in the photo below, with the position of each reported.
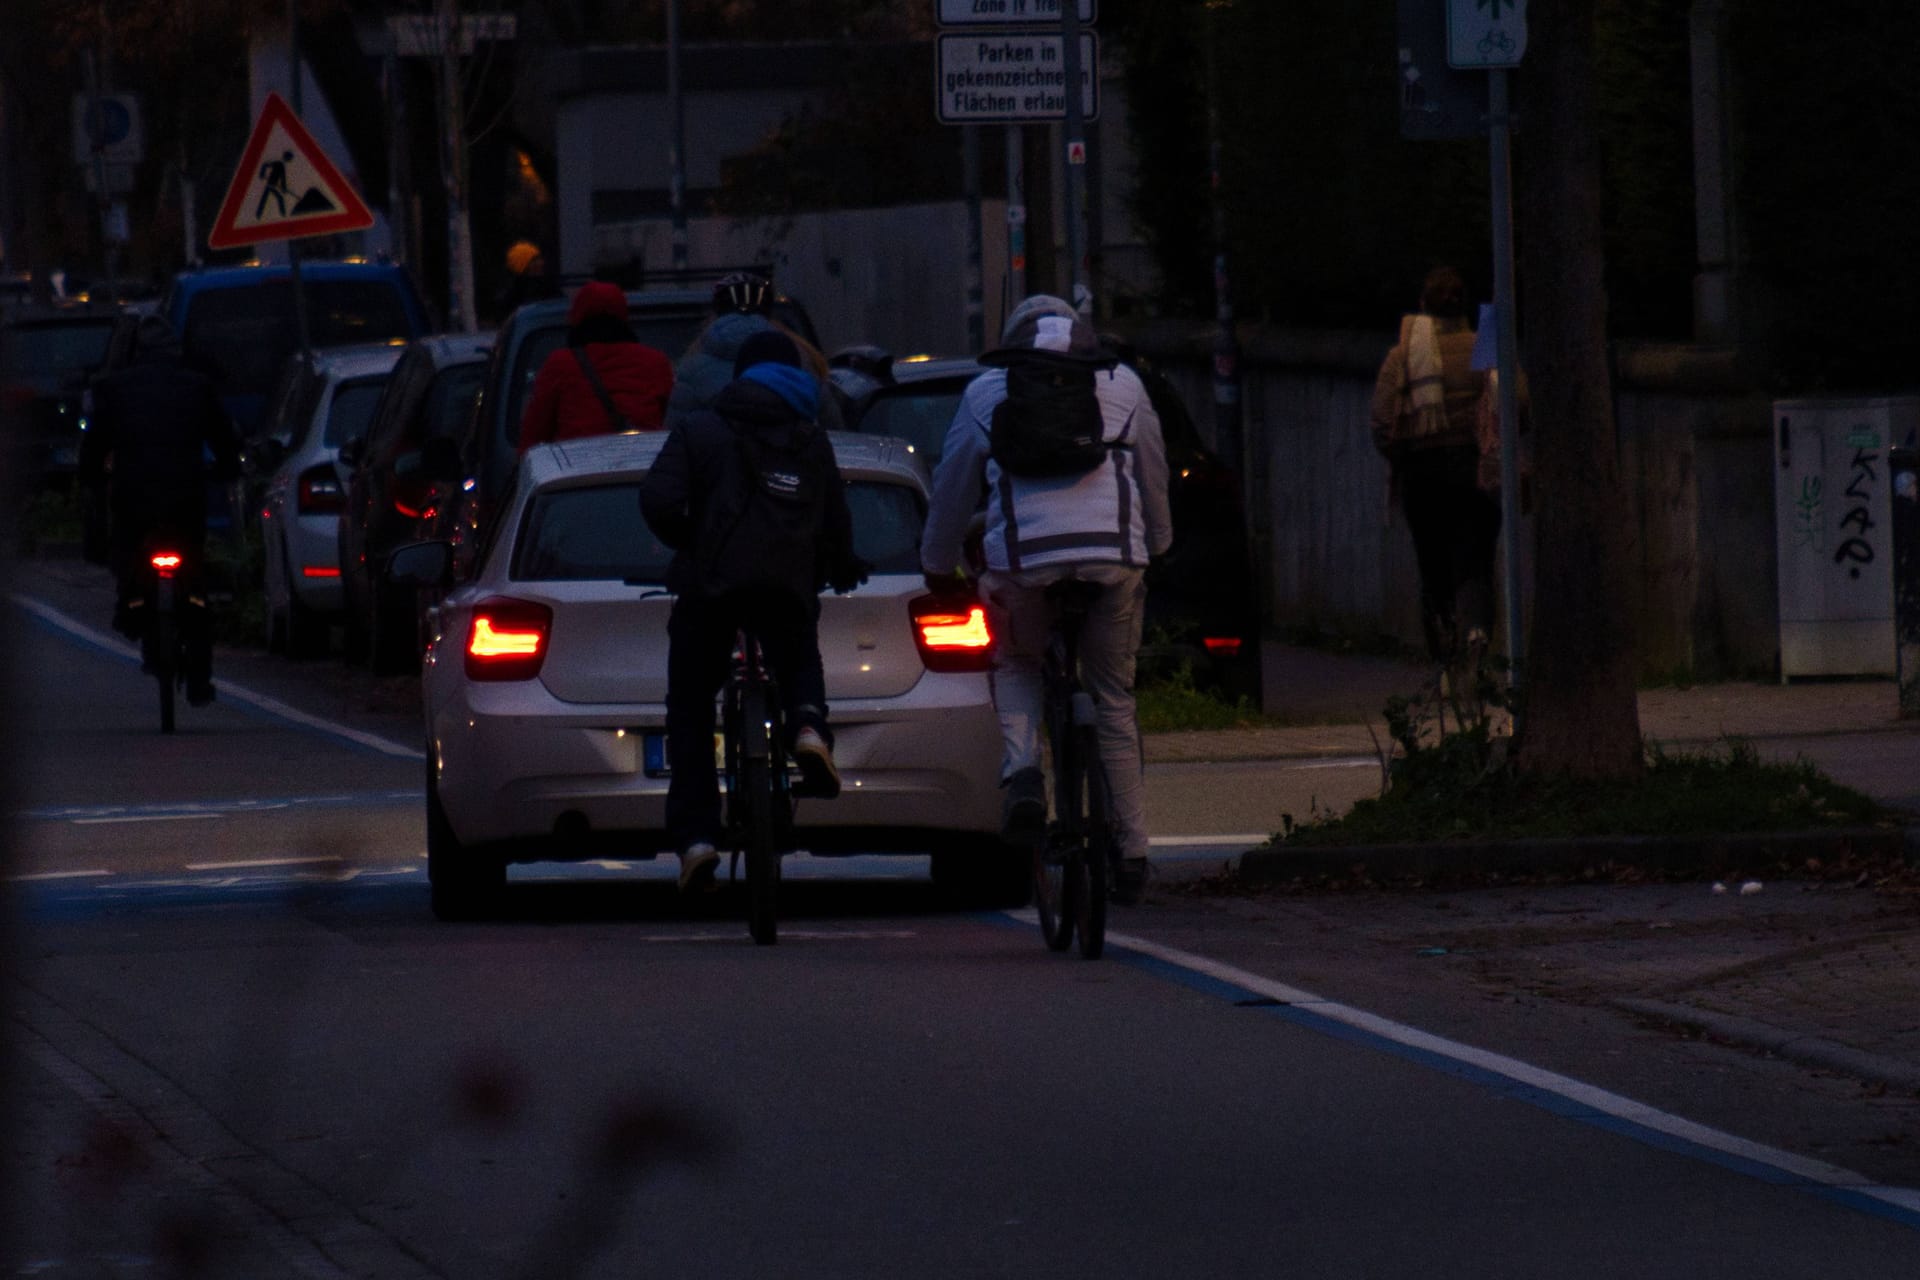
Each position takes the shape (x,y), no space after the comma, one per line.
(166,561)
(320,492)
(507,639)
(952,636)
(1222,646)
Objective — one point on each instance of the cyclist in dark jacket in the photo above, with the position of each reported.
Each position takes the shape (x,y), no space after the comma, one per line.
(750,498)
(158,435)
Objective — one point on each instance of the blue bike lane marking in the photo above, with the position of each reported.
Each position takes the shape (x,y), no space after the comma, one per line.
(246,700)
(1511,1078)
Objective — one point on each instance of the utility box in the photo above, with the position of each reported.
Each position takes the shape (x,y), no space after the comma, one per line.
(1834,531)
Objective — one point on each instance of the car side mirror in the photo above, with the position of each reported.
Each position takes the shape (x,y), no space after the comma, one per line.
(267,453)
(350,452)
(421,564)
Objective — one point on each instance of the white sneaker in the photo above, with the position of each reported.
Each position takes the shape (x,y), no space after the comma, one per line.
(819,777)
(697,867)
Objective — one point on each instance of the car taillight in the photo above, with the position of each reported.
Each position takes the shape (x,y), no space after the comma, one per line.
(320,492)
(951,636)
(1222,646)
(507,639)
(165,562)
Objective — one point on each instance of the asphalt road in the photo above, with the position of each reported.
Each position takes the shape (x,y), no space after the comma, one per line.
(241,1048)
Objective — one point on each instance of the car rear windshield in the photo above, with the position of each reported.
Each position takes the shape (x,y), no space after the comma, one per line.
(56,351)
(918,416)
(352,409)
(668,334)
(591,532)
(243,334)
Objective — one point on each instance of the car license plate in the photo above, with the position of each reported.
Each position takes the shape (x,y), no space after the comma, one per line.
(654,755)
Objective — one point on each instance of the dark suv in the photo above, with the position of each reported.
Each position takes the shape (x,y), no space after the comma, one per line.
(399,476)
(667,319)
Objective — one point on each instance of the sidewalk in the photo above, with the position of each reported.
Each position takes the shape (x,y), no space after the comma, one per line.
(1824,975)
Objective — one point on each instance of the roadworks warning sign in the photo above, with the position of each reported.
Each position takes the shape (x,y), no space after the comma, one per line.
(285,187)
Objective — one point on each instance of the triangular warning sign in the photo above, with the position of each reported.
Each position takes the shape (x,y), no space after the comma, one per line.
(285,187)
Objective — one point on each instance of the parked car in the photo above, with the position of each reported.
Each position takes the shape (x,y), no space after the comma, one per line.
(397,479)
(238,323)
(47,355)
(556,751)
(1202,608)
(323,404)
(667,319)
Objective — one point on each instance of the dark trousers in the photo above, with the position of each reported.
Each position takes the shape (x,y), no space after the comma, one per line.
(1455,524)
(700,638)
(140,525)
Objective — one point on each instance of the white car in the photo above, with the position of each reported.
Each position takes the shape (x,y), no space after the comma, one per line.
(320,404)
(555,751)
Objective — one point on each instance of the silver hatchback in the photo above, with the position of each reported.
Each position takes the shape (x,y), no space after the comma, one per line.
(555,750)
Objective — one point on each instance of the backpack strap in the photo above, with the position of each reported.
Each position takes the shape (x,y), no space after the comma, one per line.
(614,416)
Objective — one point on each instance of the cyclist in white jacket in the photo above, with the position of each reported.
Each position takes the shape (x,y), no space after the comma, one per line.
(1100,527)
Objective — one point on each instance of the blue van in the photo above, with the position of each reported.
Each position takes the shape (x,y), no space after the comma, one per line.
(237,323)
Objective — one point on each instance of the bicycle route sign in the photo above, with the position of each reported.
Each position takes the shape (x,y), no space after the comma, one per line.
(1486,35)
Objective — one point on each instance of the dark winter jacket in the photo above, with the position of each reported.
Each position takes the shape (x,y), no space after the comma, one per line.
(161,427)
(708,497)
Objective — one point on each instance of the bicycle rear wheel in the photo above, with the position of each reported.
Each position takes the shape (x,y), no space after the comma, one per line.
(163,655)
(1056,877)
(1095,863)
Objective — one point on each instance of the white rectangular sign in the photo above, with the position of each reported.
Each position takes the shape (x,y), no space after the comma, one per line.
(1486,35)
(1001,13)
(1005,77)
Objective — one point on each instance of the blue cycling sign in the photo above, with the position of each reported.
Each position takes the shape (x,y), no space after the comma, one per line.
(1486,34)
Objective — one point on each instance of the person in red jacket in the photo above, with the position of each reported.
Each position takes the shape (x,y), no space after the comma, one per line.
(603,380)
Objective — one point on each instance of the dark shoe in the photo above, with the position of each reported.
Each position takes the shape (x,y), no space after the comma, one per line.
(1023,815)
(819,778)
(199,693)
(1130,886)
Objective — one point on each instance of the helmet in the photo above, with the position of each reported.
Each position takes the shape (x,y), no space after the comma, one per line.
(742,291)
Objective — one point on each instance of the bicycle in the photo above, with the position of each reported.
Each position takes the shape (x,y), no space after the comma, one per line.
(760,802)
(1076,862)
(162,646)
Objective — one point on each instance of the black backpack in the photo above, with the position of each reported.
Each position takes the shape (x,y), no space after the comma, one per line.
(766,532)
(1049,426)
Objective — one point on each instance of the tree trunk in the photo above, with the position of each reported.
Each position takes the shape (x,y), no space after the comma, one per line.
(1580,715)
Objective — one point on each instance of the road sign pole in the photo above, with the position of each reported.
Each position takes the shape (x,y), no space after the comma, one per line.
(1505,311)
(676,139)
(1016,219)
(976,308)
(1075,142)
(293,246)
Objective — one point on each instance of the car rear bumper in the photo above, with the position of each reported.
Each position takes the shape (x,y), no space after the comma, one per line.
(516,766)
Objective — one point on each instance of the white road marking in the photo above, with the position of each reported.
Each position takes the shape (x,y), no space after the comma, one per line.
(56,875)
(243,864)
(1187,842)
(145,817)
(1591,1096)
(238,693)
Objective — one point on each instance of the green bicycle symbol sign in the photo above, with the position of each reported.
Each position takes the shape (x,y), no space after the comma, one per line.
(1486,33)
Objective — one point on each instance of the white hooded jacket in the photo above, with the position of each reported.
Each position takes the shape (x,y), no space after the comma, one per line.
(1116,513)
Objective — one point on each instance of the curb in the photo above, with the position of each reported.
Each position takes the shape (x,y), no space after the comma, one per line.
(1812,1051)
(1573,855)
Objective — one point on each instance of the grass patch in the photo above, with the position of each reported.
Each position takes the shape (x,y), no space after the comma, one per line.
(1452,791)
(1171,702)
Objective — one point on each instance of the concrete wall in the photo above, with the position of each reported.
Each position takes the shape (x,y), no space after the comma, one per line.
(894,277)
(1695,455)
